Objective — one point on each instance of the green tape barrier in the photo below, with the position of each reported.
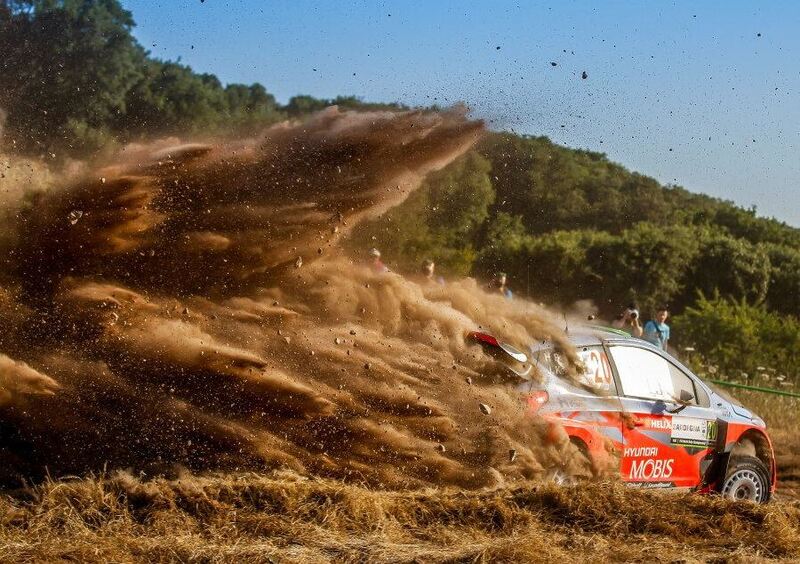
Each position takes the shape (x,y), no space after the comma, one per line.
(756,388)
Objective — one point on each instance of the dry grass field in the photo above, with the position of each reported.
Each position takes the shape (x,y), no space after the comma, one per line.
(283,517)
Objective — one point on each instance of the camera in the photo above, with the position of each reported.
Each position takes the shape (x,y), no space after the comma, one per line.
(627,315)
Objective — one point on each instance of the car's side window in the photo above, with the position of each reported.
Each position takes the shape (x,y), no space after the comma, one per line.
(645,374)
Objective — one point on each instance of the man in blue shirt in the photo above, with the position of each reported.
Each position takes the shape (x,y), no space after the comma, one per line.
(656,330)
(498,285)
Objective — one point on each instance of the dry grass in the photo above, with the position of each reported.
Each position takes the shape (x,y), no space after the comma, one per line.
(782,415)
(282,517)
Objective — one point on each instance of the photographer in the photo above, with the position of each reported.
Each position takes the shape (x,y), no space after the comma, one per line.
(628,321)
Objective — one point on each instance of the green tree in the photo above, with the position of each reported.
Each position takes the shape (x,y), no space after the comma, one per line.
(556,266)
(647,264)
(460,196)
(170,97)
(67,68)
(737,338)
(356,103)
(74,79)
(733,268)
(251,106)
(303,105)
(506,235)
(441,220)
(744,224)
(783,293)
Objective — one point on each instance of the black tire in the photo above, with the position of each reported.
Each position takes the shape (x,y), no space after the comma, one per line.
(747,479)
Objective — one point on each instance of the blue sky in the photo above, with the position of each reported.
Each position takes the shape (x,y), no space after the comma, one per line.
(705,96)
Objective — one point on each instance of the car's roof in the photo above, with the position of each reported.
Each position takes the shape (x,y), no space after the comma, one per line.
(587,335)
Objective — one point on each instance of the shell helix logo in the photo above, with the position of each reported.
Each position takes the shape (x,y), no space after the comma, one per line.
(662,424)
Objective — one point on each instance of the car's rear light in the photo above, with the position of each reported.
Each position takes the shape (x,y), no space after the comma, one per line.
(484,338)
(537,399)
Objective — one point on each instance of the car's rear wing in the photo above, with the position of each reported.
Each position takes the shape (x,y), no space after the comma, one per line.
(513,358)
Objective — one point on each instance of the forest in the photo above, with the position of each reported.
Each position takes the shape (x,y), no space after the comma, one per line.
(566,224)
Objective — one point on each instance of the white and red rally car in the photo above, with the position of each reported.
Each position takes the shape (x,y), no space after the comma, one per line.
(668,427)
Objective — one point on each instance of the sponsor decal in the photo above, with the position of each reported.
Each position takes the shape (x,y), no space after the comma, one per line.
(663,424)
(651,485)
(686,431)
(641,451)
(566,402)
(597,370)
(651,469)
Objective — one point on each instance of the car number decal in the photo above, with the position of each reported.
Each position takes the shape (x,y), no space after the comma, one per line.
(597,373)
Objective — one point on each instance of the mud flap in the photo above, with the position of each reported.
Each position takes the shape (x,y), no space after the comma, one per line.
(714,466)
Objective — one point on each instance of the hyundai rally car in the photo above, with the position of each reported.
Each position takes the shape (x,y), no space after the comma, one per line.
(635,402)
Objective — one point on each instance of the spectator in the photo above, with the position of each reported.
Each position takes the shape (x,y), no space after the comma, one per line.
(428,271)
(628,321)
(656,330)
(499,284)
(377,264)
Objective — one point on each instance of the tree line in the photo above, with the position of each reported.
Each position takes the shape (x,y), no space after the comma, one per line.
(565,224)
(569,225)
(74,79)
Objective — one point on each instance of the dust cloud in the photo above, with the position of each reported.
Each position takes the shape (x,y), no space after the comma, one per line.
(186,306)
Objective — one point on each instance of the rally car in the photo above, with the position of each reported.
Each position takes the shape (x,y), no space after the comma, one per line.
(641,408)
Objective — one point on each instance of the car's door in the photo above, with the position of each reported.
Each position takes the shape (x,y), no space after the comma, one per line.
(668,428)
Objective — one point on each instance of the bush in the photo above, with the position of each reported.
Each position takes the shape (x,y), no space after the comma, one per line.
(734,268)
(783,294)
(740,341)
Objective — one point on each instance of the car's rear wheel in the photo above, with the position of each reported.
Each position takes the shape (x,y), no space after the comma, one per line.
(747,479)
(561,477)
(589,463)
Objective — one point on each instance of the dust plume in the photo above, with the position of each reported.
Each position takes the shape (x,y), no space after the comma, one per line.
(186,305)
